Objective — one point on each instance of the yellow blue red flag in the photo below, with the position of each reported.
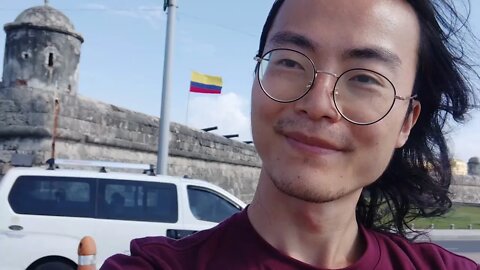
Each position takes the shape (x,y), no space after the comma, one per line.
(206,84)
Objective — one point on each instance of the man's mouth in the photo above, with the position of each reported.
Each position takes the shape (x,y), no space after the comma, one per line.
(312,144)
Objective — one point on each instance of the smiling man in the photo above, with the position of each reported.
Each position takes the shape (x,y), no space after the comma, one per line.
(348,106)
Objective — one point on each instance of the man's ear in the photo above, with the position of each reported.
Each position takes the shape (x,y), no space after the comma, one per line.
(408,123)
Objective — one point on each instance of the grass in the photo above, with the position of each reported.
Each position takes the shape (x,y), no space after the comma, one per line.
(460,215)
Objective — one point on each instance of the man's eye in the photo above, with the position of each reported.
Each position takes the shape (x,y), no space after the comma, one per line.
(289,63)
(365,79)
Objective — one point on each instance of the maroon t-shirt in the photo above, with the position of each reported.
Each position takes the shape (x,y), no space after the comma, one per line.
(235,245)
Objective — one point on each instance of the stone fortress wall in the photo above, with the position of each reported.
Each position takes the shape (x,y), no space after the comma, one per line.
(466,189)
(93,130)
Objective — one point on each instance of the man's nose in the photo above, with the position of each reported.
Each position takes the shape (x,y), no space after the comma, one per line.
(318,102)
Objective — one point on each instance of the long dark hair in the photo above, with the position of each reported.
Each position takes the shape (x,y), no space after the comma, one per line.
(417,179)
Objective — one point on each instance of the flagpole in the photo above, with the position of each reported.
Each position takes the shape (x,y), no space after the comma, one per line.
(164,129)
(188,105)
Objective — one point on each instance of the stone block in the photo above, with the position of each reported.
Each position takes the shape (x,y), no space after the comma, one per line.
(8,106)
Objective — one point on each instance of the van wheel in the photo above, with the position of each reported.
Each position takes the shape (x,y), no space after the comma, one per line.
(54,265)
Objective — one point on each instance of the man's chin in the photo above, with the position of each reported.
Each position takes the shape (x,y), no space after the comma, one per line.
(308,194)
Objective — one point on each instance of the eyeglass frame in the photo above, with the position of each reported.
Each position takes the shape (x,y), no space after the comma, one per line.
(258,59)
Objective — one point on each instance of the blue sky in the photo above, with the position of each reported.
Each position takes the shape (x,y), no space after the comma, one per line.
(122,58)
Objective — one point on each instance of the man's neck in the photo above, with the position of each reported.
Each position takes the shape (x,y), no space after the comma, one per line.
(324,235)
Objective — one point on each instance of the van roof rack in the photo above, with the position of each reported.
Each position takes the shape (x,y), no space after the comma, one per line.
(147,168)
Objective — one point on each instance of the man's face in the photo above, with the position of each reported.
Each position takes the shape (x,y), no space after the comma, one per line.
(307,149)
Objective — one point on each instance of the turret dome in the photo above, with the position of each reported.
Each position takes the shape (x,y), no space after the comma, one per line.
(44,17)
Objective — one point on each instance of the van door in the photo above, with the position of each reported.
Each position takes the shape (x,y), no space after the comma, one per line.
(49,213)
(133,209)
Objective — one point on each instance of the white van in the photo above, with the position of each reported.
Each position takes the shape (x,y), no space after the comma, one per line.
(44,213)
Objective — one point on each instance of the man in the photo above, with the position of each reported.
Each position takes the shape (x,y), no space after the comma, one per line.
(348,106)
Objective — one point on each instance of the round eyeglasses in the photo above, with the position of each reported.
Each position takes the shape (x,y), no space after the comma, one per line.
(361,96)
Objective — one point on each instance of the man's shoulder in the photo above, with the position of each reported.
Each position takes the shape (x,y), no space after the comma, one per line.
(165,244)
(422,253)
(164,253)
(189,252)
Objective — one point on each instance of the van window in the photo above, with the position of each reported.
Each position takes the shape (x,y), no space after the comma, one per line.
(208,205)
(136,200)
(55,196)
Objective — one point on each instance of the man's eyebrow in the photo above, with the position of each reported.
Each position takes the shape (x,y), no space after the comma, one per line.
(374,53)
(290,38)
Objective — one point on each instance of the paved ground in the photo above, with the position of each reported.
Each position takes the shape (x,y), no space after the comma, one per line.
(473,256)
(470,249)
(463,242)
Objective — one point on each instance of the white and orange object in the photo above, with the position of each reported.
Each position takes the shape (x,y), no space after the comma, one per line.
(87,253)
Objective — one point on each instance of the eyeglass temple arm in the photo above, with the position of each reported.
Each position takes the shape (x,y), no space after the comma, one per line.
(406,98)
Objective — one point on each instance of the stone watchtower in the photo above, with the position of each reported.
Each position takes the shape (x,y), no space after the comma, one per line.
(474,166)
(42,51)
(39,84)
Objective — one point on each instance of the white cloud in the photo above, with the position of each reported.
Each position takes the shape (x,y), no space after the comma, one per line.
(153,15)
(229,112)
(194,46)
(126,13)
(95,6)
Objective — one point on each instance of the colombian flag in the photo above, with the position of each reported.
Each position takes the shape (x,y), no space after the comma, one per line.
(206,84)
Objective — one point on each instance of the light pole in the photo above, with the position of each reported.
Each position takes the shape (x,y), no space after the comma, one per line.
(164,129)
